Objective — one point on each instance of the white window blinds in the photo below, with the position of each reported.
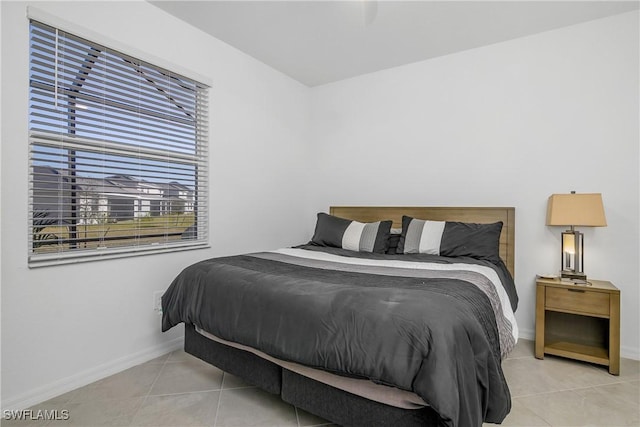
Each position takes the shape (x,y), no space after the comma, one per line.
(118,152)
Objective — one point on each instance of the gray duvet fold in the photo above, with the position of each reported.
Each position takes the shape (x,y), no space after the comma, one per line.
(433,332)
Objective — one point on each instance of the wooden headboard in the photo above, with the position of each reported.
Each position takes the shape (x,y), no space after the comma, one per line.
(463,214)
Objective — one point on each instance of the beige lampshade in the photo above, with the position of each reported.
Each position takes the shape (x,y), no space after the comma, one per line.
(585,210)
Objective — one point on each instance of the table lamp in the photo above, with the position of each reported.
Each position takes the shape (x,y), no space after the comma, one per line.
(575,210)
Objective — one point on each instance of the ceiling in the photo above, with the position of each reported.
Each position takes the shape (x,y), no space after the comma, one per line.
(318,42)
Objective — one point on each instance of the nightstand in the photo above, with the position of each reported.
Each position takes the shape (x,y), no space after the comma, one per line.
(581,322)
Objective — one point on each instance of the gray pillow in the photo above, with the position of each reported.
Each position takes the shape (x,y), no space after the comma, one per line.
(450,238)
(353,235)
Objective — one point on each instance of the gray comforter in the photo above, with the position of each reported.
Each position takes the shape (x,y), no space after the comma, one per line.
(438,333)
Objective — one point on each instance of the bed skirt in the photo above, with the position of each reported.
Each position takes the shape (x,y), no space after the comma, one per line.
(330,403)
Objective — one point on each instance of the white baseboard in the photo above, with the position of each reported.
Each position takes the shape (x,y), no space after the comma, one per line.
(527,334)
(629,352)
(625,351)
(56,388)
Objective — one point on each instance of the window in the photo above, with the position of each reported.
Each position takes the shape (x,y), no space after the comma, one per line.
(118,153)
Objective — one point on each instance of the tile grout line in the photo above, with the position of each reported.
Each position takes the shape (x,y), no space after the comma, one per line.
(568,389)
(215,419)
(541,416)
(144,399)
(297,417)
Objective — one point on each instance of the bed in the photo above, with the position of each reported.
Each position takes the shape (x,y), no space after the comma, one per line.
(346,329)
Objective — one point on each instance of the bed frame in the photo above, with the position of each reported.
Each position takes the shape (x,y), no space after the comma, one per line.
(330,403)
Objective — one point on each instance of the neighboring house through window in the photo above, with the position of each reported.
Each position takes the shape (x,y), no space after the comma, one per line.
(118,153)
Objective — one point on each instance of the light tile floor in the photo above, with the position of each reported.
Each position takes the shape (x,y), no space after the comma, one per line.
(180,390)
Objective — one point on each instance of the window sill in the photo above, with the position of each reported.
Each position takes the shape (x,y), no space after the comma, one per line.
(48,260)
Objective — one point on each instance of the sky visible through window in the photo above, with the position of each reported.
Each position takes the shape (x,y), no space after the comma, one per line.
(91,102)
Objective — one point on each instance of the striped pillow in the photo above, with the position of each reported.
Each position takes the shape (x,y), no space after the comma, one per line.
(421,236)
(452,239)
(352,235)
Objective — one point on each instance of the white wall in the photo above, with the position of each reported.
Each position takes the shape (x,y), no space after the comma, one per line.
(503,125)
(64,326)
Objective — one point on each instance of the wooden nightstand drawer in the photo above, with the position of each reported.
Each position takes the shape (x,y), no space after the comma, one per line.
(577,300)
